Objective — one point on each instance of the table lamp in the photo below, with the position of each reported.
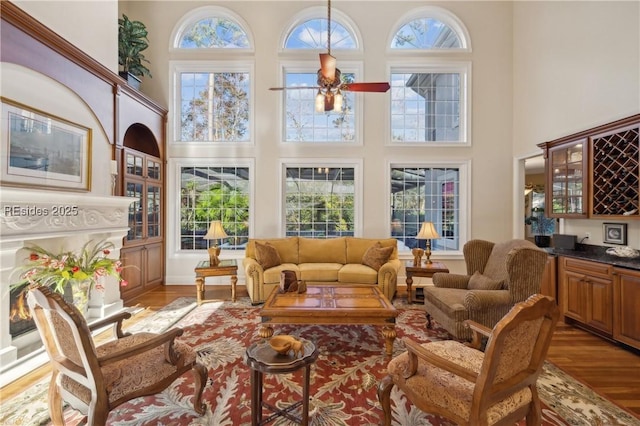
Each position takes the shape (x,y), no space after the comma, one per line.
(215,233)
(427,232)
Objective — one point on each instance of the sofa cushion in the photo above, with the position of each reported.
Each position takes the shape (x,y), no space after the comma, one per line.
(327,272)
(376,256)
(330,250)
(287,248)
(357,273)
(272,275)
(356,247)
(482,282)
(267,255)
(496,267)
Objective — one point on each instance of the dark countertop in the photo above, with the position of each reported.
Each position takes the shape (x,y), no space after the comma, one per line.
(596,254)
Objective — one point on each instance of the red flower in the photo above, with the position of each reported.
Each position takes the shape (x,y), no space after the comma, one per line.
(34,256)
(75,269)
(106,251)
(124,283)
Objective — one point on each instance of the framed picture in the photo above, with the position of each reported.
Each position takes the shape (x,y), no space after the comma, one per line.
(43,150)
(614,233)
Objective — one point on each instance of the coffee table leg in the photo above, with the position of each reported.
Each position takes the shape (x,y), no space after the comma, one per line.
(199,289)
(266,331)
(389,334)
(234,281)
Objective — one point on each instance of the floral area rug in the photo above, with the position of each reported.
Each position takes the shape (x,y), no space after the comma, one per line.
(343,379)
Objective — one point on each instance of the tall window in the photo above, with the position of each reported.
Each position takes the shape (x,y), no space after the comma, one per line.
(210,193)
(320,201)
(214,106)
(429,194)
(302,122)
(430,103)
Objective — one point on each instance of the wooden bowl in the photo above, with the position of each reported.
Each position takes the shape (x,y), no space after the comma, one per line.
(284,343)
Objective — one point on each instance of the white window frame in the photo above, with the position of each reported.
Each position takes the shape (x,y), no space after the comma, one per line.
(440,14)
(173,198)
(464,194)
(463,68)
(204,12)
(346,67)
(358,199)
(178,67)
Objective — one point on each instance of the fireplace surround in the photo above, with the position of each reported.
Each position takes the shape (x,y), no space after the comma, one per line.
(55,221)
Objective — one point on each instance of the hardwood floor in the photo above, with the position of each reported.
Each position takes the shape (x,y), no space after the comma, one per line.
(608,369)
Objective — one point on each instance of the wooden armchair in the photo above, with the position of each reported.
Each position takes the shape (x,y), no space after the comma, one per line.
(460,382)
(499,275)
(93,379)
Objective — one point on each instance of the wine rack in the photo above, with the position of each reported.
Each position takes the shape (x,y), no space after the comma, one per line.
(616,173)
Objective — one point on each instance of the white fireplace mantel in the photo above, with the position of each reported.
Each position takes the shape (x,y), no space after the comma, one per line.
(56,221)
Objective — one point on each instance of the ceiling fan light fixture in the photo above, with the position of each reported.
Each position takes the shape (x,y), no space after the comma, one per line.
(337,102)
(319,102)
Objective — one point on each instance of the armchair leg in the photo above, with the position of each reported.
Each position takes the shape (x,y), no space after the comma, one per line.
(534,417)
(200,375)
(384,397)
(429,325)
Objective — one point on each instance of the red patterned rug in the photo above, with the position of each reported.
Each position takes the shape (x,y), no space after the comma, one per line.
(343,379)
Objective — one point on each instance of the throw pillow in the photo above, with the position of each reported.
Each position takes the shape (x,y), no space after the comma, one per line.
(482,282)
(267,255)
(376,256)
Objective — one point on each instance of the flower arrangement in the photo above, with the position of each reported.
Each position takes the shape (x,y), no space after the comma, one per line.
(45,268)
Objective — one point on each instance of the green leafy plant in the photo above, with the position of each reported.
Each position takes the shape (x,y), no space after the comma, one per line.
(132,40)
(55,270)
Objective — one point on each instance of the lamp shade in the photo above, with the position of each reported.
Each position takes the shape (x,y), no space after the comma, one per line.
(216,231)
(427,232)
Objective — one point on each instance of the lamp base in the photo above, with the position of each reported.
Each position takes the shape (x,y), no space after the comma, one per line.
(214,252)
(427,253)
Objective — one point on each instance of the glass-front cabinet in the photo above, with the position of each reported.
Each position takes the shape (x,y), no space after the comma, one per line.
(143,246)
(567,179)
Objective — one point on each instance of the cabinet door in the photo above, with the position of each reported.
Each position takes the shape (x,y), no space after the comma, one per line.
(154,262)
(626,307)
(600,314)
(549,282)
(132,259)
(575,296)
(566,175)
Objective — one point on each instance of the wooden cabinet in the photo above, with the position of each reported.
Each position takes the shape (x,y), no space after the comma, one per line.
(143,249)
(626,307)
(596,172)
(586,293)
(567,179)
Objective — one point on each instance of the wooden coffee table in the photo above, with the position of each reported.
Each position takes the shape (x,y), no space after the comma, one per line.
(331,305)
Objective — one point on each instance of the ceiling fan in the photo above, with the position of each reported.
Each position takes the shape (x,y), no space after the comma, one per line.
(330,85)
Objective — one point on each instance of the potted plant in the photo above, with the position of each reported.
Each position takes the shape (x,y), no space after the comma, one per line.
(541,226)
(132,40)
(68,273)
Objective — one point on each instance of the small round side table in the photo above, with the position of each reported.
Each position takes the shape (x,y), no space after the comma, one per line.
(262,358)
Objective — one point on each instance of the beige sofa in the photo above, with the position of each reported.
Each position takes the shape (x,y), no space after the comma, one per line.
(334,260)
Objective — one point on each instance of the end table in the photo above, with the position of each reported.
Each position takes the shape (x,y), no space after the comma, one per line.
(224,268)
(424,270)
(261,358)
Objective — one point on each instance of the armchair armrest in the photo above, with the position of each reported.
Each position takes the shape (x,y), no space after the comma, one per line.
(416,351)
(479,331)
(161,339)
(479,300)
(116,320)
(449,280)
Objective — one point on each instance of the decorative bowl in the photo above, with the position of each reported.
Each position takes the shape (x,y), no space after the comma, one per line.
(285,343)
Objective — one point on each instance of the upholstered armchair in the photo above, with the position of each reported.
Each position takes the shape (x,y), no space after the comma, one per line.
(93,379)
(499,275)
(460,382)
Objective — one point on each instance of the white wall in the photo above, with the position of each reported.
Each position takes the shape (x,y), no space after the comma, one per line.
(90,25)
(576,65)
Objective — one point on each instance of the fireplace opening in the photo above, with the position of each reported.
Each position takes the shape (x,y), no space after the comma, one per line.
(17,325)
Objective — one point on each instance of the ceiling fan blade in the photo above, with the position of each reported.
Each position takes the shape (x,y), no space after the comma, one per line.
(328,66)
(367,87)
(293,88)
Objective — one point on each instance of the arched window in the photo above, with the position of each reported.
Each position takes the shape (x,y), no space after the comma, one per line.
(212,27)
(430,28)
(309,31)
